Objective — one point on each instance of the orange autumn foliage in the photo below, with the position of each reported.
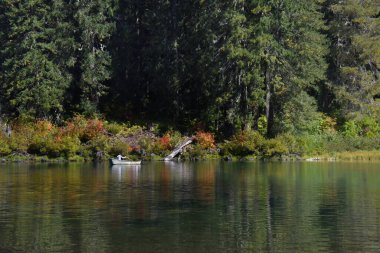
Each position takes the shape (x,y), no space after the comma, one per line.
(165,141)
(86,129)
(205,139)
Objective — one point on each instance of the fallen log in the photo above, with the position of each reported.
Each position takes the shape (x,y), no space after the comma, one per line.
(179,149)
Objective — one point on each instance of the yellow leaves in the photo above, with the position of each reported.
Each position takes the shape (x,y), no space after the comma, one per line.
(328,124)
(291,43)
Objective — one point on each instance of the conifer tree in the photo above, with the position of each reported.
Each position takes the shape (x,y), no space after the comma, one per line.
(34,64)
(94,23)
(220,65)
(241,92)
(355,52)
(292,48)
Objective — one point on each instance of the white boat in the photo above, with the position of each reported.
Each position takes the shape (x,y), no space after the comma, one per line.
(124,162)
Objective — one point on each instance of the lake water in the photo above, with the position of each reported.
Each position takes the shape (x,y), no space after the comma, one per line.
(190,207)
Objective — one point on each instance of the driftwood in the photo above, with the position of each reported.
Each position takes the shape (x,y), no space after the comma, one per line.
(179,149)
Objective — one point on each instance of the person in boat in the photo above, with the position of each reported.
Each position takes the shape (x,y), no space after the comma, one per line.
(120,157)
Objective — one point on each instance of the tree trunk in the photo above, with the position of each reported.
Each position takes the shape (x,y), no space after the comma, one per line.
(247,118)
(268,103)
(243,101)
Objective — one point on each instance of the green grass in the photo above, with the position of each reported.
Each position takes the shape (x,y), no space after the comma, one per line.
(359,156)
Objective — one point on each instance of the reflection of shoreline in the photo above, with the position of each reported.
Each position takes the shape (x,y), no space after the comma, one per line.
(179,170)
(190,182)
(120,172)
(180,173)
(198,207)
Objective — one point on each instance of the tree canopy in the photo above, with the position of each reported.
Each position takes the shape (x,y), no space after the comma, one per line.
(219,65)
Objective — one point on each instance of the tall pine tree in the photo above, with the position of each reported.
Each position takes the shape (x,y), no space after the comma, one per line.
(355,53)
(292,50)
(93,21)
(34,64)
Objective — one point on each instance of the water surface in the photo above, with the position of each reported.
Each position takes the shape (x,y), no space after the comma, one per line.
(190,207)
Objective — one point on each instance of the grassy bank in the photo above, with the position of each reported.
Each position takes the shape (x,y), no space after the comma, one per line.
(352,156)
(81,139)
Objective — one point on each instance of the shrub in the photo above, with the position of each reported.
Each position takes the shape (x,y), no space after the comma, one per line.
(85,151)
(67,146)
(291,143)
(18,143)
(328,124)
(37,146)
(98,145)
(133,130)
(205,140)
(44,127)
(42,139)
(93,129)
(339,143)
(244,143)
(175,138)
(369,127)
(165,142)
(365,143)
(273,147)
(312,144)
(148,145)
(86,130)
(351,129)
(195,152)
(76,158)
(262,125)
(151,146)
(114,128)
(119,147)
(4,147)
(336,142)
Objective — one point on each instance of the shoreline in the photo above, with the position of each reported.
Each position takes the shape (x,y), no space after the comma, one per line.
(355,156)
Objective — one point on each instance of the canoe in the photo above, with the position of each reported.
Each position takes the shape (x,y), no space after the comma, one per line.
(124,162)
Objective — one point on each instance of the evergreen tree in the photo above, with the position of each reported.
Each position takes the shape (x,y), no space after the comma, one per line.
(139,53)
(34,64)
(292,50)
(221,65)
(158,52)
(241,93)
(355,52)
(94,24)
(202,87)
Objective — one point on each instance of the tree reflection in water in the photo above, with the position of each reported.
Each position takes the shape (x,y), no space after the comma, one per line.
(190,207)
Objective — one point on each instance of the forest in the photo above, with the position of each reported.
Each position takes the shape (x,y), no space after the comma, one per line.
(305,70)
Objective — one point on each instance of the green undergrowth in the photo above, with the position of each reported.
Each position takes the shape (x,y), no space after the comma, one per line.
(80,139)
